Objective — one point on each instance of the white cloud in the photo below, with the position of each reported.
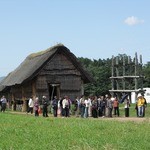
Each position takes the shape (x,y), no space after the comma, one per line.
(131,21)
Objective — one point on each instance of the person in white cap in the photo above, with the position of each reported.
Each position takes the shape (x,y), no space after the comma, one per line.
(141,104)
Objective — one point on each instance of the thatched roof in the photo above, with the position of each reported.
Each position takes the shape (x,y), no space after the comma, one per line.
(31,66)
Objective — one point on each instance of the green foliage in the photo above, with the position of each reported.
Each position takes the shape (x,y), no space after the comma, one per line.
(146,71)
(101,72)
(28,132)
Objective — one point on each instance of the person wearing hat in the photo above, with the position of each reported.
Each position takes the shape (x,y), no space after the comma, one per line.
(141,104)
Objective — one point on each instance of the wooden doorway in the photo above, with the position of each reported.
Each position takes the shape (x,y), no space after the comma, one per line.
(54,90)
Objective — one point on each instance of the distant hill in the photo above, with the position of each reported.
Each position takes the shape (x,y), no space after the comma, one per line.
(1,78)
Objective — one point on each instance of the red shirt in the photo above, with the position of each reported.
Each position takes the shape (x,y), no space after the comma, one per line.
(115,103)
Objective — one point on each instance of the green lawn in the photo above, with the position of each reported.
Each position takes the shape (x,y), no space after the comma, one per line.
(26,132)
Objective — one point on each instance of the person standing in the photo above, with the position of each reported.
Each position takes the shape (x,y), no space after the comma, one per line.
(90,106)
(77,106)
(55,106)
(87,105)
(45,105)
(141,104)
(99,106)
(103,106)
(109,106)
(116,107)
(94,107)
(82,106)
(66,106)
(3,104)
(126,107)
(59,107)
(30,105)
(145,105)
(36,107)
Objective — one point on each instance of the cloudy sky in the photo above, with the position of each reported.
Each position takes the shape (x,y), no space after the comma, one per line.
(89,28)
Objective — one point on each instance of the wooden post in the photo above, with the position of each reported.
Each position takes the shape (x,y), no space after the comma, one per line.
(141,72)
(13,100)
(117,72)
(82,87)
(24,107)
(136,63)
(112,73)
(33,90)
(123,80)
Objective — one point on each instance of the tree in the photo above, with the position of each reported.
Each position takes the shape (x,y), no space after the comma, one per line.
(146,72)
(101,72)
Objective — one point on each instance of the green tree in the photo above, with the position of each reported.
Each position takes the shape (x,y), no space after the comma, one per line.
(146,72)
(101,71)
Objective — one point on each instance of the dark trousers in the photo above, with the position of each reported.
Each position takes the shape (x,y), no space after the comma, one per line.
(109,112)
(94,113)
(116,111)
(126,112)
(36,113)
(63,112)
(103,110)
(3,107)
(82,111)
(100,112)
(30,109)
(45,112)
(66,112)
(55,111)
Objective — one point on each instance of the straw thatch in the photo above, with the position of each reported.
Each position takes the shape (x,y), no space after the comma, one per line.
(37,74)
(31,66)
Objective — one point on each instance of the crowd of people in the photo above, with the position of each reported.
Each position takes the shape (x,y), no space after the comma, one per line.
(84,107)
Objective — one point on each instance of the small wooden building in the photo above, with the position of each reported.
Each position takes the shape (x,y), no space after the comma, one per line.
(55,71)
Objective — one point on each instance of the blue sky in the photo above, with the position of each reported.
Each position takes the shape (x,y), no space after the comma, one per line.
(89,28)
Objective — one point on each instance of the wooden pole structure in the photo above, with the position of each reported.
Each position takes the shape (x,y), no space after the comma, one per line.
(136,63)
(129,71)
(126,75)
(141,72)
(112,73)
(123,80)
(117,71)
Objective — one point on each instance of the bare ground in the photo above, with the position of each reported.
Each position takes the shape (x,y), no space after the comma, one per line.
(122,119)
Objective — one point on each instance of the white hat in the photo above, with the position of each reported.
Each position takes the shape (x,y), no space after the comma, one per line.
(139,95)
(112,98)
(43,96)
(37,98)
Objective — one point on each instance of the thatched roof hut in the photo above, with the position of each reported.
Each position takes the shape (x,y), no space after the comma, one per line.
(53,71)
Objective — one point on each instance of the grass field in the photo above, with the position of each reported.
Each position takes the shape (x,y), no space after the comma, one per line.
(26,132)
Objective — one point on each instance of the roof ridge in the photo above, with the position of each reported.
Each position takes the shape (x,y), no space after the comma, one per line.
(39,53)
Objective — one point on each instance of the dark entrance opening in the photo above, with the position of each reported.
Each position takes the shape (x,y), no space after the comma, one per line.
(54,90)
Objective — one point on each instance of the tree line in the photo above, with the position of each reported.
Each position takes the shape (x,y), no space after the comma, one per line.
(100,70)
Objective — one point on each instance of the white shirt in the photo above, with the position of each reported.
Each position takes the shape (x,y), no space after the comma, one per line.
(31,104)
(65,102)
(87,103)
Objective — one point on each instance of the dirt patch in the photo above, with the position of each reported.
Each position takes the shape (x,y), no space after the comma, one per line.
(134,119)
(122,119)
